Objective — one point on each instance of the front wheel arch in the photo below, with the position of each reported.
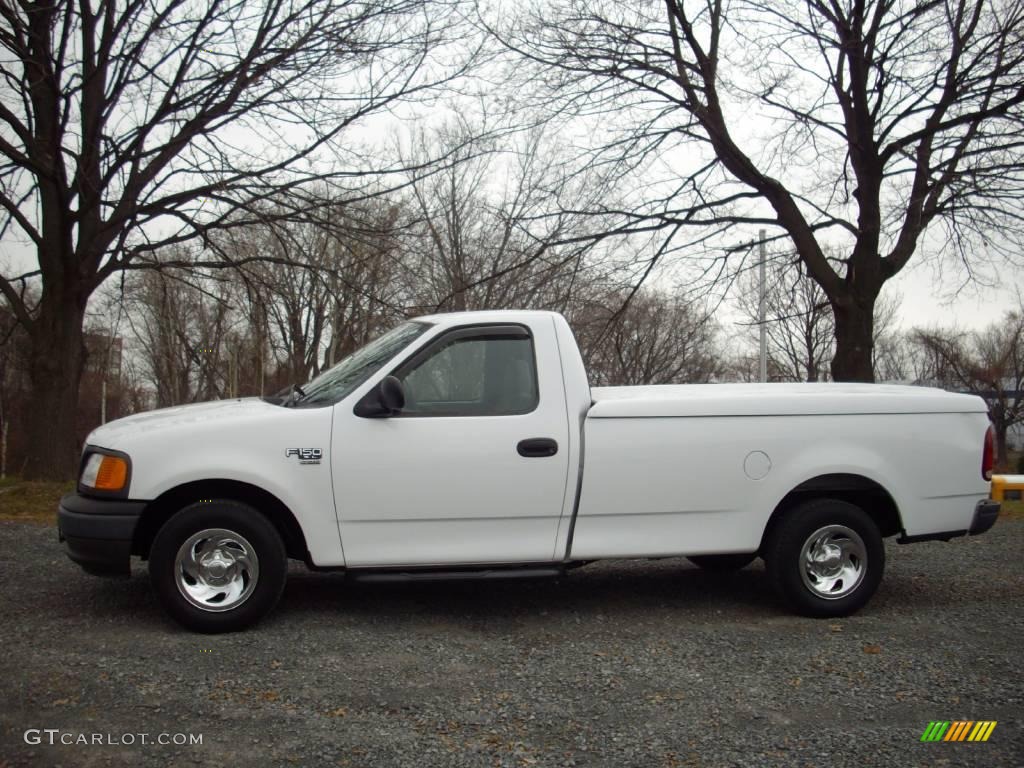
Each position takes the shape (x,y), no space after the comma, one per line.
(161,509)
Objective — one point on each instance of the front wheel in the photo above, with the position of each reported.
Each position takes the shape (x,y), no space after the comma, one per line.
(825,558)
(218,566)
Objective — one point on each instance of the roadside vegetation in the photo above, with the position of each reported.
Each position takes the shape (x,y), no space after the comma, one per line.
(31,501)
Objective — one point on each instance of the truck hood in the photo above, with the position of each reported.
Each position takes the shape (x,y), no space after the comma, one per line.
(775,400)
(220,413)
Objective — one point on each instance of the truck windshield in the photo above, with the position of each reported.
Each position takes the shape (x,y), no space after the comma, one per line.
(335,384)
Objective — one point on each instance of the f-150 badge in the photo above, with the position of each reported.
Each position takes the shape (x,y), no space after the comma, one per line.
(306,455)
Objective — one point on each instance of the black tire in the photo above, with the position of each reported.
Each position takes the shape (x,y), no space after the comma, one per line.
(260,574)
(723,563)
(807,590)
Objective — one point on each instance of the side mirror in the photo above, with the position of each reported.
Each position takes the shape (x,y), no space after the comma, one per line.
(386,399)
(392,395)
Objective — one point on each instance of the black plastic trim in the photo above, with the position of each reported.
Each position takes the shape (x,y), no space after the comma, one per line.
(940,536)
(87,506)
(985,515)
(98,532)
(456,573)
(579,488)
(121,494)
(537,447)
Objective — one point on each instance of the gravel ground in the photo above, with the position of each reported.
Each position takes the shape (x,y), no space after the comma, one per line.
(651,664)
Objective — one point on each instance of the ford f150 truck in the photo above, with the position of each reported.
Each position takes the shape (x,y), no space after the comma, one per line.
(471,445)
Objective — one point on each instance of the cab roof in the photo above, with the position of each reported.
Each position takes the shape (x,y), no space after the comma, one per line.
(486,316)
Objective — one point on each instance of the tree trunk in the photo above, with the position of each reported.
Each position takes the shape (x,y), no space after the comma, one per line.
(854,340)
(1000,427)
(1002,462)
(57,356)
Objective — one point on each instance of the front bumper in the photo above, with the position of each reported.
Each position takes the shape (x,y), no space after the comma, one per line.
(985,513)
(98,532)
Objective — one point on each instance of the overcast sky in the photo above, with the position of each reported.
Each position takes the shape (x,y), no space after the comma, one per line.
(929,296)
(931,300)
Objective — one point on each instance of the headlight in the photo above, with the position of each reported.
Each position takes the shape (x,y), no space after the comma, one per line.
(105,472)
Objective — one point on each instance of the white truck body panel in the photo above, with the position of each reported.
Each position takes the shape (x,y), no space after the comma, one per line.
(698,497)
(242,440)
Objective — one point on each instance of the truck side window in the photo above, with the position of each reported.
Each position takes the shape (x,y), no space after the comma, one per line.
(485,376)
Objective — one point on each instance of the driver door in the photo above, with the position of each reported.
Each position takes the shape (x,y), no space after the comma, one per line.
(470,471)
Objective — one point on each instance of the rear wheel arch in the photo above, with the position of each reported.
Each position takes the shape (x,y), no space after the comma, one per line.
(161,509)
(861,491)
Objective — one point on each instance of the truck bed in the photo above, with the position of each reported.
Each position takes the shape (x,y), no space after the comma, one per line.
(774,400)
(670,470)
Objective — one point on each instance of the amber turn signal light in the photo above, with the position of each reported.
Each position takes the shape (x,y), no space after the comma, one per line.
(112,474)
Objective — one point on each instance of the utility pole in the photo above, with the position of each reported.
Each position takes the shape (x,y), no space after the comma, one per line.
(761,307)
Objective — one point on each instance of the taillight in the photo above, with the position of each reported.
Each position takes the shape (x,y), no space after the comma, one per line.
(988,455)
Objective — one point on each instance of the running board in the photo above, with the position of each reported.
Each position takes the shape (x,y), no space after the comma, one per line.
(377,576)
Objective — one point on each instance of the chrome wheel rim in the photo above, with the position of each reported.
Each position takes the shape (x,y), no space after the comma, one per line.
(216,569)
(833,562)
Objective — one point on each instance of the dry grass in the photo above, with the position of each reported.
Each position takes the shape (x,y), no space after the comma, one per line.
(1012,509)
(31,501)
(1012,464)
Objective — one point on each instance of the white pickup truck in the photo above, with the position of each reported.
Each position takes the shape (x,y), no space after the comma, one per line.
(471,445)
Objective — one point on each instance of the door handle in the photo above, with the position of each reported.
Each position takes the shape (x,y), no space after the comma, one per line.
(537,447)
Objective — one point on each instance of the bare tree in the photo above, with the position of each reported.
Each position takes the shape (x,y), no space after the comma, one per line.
(474,237)
(897,358)
(13,403)
(653,338)
(743,363)
(129,127)
(894,356)
(989,363)
(295,300)
(799,328)
(306,317)
(180,323)
(367,291)
(868,126)
(799,324)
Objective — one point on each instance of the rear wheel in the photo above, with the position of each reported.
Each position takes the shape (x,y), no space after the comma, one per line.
(723,563)
(825,558)
(218,566)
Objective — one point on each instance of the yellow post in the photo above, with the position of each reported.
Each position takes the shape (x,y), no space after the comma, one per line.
(1003,483)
